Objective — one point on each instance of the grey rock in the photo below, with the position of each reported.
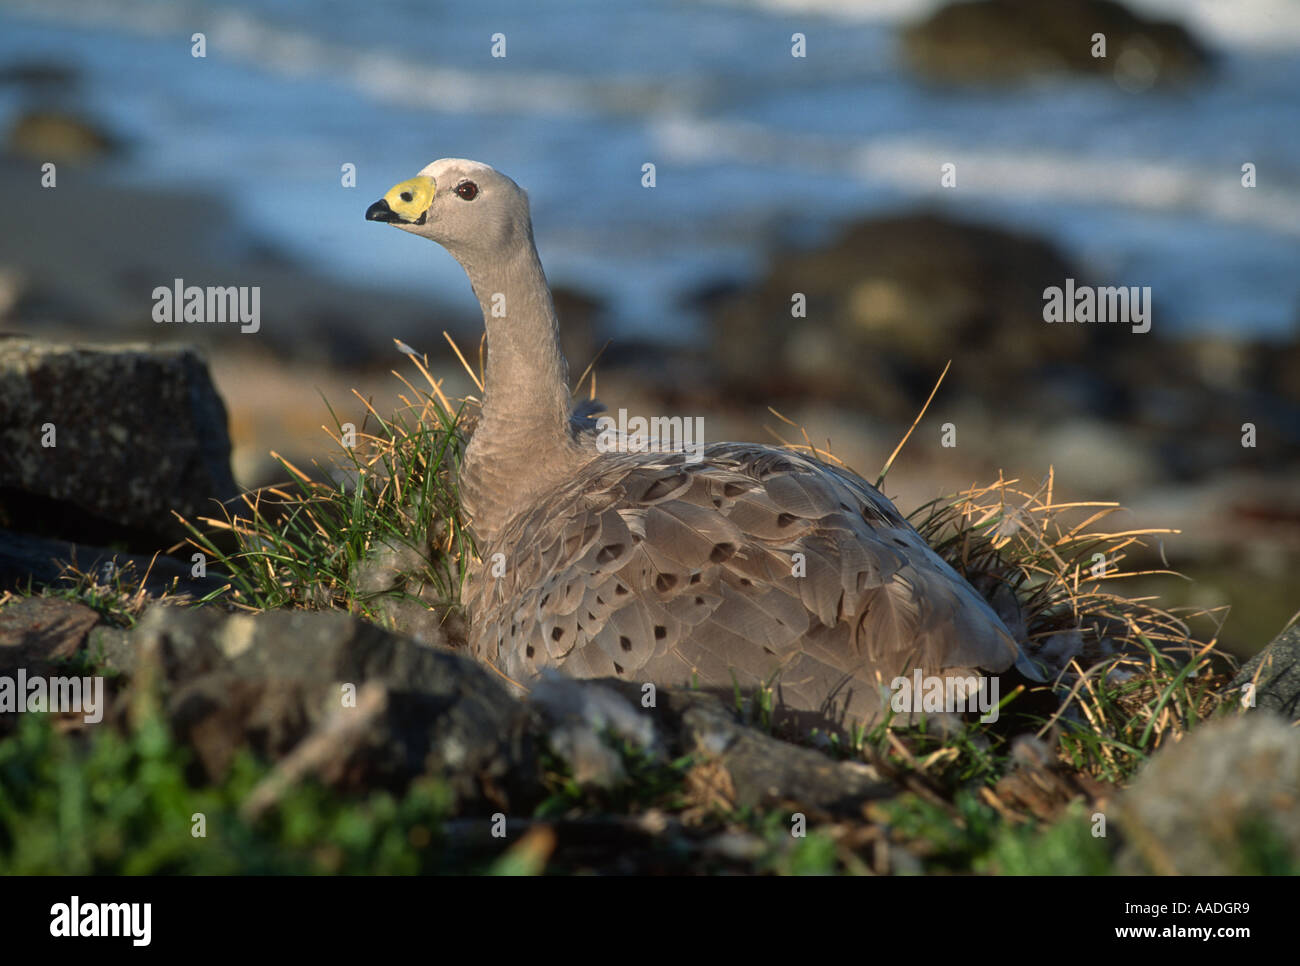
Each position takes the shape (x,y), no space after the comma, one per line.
(36,632)
(268,681)
(584,719)
(112,648)
(38,636)
(1225,800)
(43,561)
(273,683)
(1275,673)
(139,433)
(767,771)
(763,770)
(886,302)
(1008,40)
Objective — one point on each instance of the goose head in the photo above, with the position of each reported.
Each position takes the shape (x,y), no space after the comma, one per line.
(467,207)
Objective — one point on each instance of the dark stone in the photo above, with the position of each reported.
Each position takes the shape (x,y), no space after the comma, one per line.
(42,561)
(889,302)
(761,770)
(766,771)
(37,632)
(140,433)
(1008,40)
(1275,672)
(274,683)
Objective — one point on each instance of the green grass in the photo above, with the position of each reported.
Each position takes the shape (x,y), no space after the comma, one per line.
(114,804)
(380,523)
(114,592)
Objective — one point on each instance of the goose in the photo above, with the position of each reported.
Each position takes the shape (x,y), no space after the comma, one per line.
(740,565)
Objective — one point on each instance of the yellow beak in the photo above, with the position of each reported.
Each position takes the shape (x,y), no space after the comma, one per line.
(405,203)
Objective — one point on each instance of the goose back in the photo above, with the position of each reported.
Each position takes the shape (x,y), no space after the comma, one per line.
(752,565)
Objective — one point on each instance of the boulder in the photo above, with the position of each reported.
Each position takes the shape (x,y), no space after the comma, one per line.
(38,633)
(40,561)
(734,764)
(889,302)
(1009,40)
(358,706)
(136,433)
(41,637)
(1224,800)
(332,694)
(1275,674)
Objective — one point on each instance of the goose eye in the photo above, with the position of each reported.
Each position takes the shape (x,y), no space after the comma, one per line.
(467,190)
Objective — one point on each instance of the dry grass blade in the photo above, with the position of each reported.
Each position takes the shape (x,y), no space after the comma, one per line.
(884,471)
(459,355)
(1139,679)
(590,371)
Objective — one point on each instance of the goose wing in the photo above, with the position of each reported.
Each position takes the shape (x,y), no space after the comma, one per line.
(751,563)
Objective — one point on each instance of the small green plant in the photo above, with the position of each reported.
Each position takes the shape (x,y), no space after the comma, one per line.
(650,783)
(1133,705)
(115,590)
(1142,678)
(383,524)
(114,804)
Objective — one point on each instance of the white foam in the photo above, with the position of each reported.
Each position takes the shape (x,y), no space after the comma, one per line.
(1257,24)
(380,73)
(913,164)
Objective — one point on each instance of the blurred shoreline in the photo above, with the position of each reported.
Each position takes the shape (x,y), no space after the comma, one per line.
(1144,191)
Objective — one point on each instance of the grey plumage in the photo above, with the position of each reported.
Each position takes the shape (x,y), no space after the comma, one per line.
(755,564)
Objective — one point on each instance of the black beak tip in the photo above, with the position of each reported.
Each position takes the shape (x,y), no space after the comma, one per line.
(380,211)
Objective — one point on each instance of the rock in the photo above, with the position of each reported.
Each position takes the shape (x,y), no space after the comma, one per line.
(889,302)
(1275,673)
(113,647)
(37,632)
(56,135)
(39,636)
(738,765)
(1009,40)
(769,772)
(274,682)
(138,433)
(580,719)
(41,562)
(734,765)
(1225,800)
